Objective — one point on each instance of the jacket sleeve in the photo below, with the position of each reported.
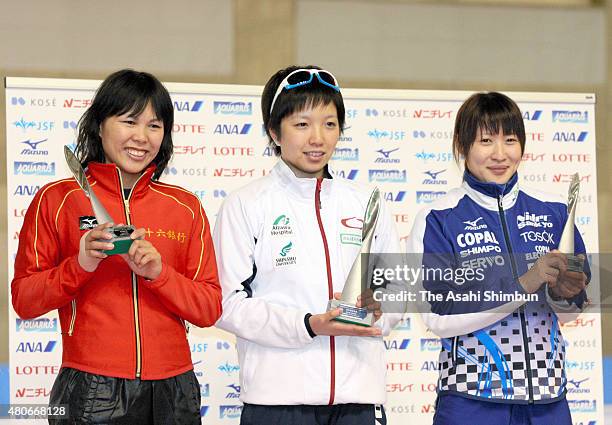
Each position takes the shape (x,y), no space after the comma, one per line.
(244,315)
(429,249)
(43,280)
(193,294)
(386,243)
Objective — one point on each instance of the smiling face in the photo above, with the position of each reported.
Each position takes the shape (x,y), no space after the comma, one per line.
(132,142)
(308,138)
(494,157)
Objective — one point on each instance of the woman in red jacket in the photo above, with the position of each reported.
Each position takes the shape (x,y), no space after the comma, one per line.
(125,353)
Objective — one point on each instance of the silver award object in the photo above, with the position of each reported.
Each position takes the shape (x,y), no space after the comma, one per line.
(357,280)
(566,244)
(121,234)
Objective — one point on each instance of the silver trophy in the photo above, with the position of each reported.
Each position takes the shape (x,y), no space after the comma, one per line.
(358,277)
(121,234)
(566,244)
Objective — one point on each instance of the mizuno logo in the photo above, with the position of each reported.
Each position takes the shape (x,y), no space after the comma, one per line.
(386,153)
(33,144)
(433,174)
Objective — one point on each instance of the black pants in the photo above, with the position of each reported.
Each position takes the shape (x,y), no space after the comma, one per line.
(97,399)
(338,414)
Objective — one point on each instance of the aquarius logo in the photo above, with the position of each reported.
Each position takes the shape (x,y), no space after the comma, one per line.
(285,250)
(346,154)
(233,108)
(34,168)
(570,116)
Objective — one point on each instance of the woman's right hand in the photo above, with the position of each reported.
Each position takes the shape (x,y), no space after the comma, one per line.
(545,270)
(93,245)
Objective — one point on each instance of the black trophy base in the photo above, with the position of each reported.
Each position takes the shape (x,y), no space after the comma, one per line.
(122,239)
(351,314)
(575,263)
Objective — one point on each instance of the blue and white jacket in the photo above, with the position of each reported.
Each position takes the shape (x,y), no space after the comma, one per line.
(498,350)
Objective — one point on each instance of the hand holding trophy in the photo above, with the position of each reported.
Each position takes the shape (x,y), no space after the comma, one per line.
(575,263)
(121,234)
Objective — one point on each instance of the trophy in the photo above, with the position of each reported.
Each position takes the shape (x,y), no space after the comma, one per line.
(566,244)
(357,280)
(121,234)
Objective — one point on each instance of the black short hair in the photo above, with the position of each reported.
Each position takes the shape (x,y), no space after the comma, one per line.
(121,92)
(488,112)
(290,101)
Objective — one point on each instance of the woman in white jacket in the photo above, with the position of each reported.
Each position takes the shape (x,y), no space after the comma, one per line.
(285,244)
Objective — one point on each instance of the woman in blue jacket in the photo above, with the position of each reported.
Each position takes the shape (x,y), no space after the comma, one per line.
(502,357)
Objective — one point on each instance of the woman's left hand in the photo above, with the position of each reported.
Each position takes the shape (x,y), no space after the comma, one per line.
(142,257)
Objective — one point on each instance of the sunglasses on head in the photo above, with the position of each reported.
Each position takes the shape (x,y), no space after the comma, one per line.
(301,77)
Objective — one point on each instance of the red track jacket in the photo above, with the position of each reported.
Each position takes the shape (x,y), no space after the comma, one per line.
(113,322)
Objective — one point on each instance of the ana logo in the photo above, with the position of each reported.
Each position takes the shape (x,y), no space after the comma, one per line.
(268,151)
(26,190)
(427,196)
(233,129)
(231,412)
(233,108)
(389,135)
(346,154)
(397,344)
(34,168)
(227,368)
(384,156)
(473,224)
(430,344)
(87,222)
(31,147)
(204,410)
(36,325)
(184,106)
(433,177)
(281,226)
(36,347)
(532,115)
(568,136)
(349,175)
(235,391)
(581,117)
(285,250)
(352,223)
(532,220)
(394,196)
(391,176)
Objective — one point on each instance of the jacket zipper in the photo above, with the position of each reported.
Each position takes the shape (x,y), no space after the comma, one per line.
(330,290)
(502,216)
(126,210)
(73,318)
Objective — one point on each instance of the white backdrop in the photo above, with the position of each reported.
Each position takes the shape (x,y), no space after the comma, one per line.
(399,140)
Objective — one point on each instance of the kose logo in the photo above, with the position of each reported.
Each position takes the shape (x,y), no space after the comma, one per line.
(581,117)
(233,129)
(433,135)
(185,106)
(570,136)
(233,108)
(427,196)
(32,147)
(391,176)
(346,154)
(36,347)
(532,115)
(384,156)
(34,168)
(37,102)
(36,325)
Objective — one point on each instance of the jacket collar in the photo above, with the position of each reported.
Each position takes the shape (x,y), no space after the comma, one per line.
(491,195)
(302,187)
(107,177)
